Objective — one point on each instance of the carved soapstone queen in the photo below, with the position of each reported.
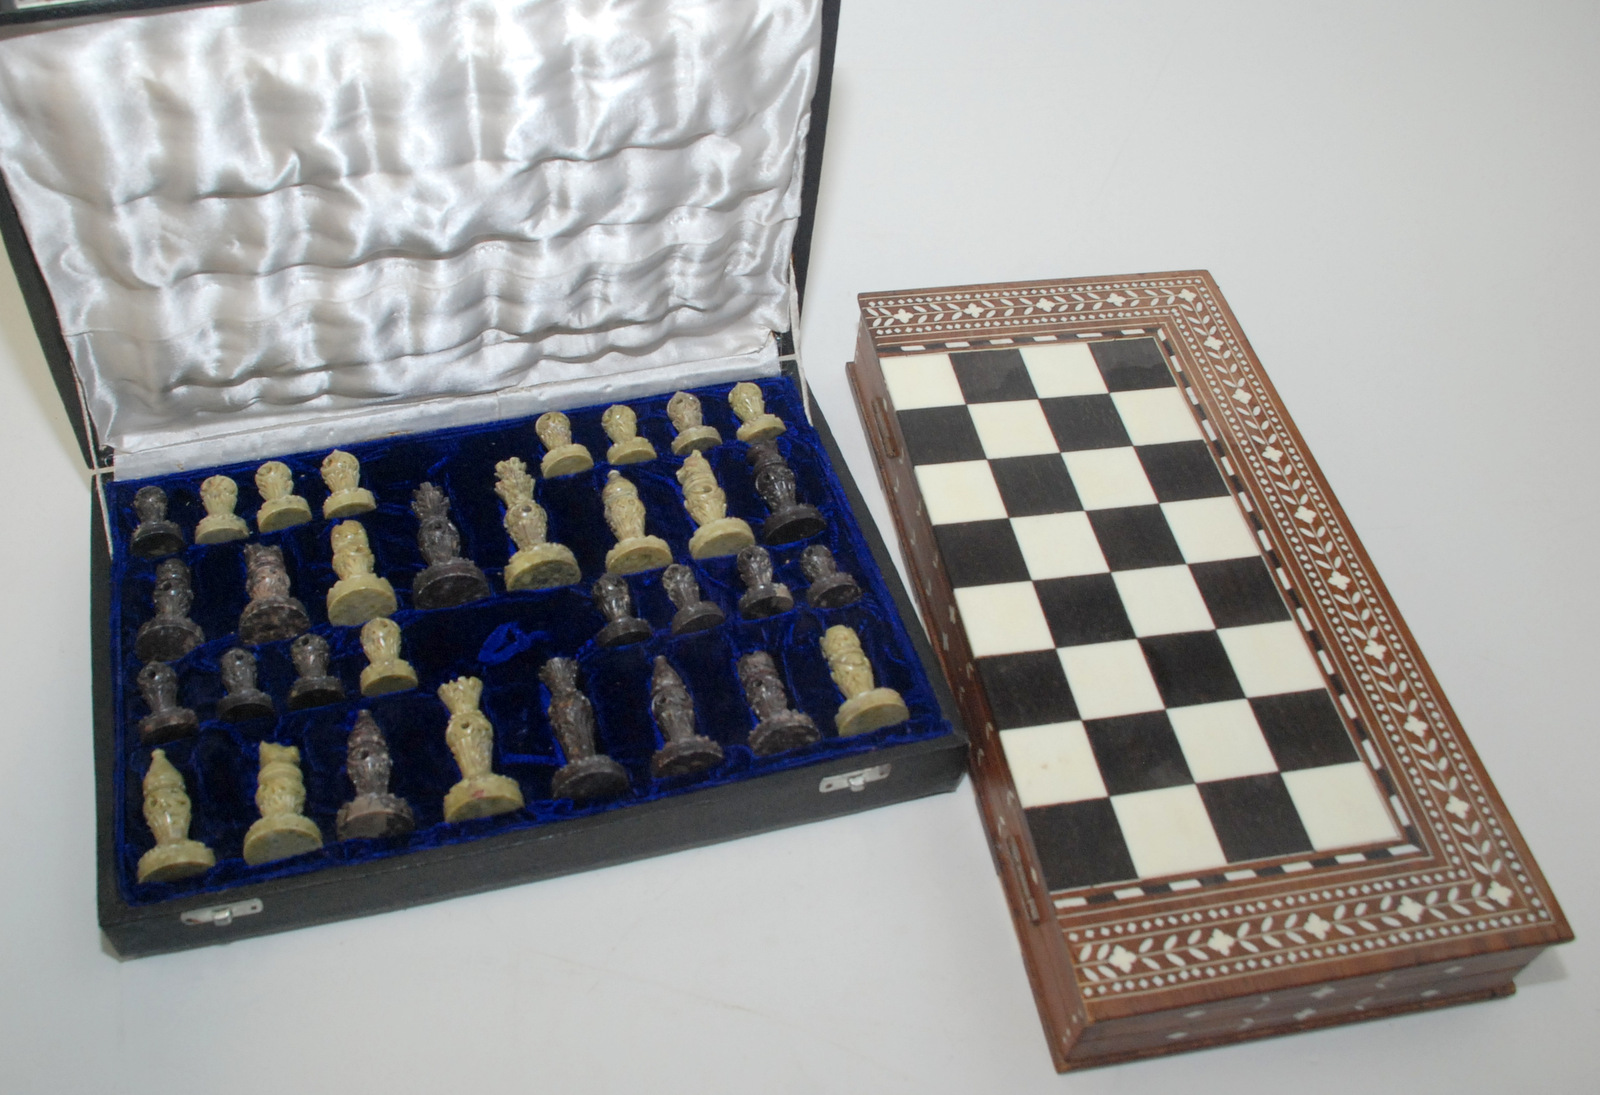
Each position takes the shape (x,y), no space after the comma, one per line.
(155,536)
(692,434)
(449,579)
(537,563)
(219,495)
(562,455)
(762,595)
(158,684)
(169,634)
(314,686)
(167,812)
(684,751)
(243,701)
(746,400)
(778,728)
(482,792)
(282,830)
(271,614)
(281,508)
(717,534)
(865,707)
(627,447)
(790,519)
(830,587)
(635,549)
(386,670)
(694,614)
(374,813)
(346,496)
(615,601)
(587,774)
(359,595)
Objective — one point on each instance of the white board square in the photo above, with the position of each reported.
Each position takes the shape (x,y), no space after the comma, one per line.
(1058,545)
(921,380)
(1003,619)
(962,491)
(1109,478)
(1017,428)
(1162,601)
(1340,806)
(1271,658)
(1109,679)
(1221,740)
(1208,529)
(1063,368)
(1168,831)
(1157,416)
(1051,764)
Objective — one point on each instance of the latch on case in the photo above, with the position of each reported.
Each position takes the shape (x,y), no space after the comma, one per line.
(222,915)
(855,781)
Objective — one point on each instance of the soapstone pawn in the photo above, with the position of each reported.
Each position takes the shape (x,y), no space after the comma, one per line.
(790,520)
(562,455)
(244,701)
(746,401)
(762,596)
(449,580)
(374,813)
(537,563)
(634,550)
(685,751)
(693,435)
(346,496)
(167,812)
(865,707)
(627,447)
(830,587)
(778,728)
(169,634)
(282,830)
(158,684)
(694,614)
(587,773)
(615,601)
(271,614)
(219,495)
(718,534)
(314,686)
(155,536)
(482,792)
(280,507)
(359,595)
(386,670)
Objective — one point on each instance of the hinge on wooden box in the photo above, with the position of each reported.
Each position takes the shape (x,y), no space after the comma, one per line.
(854,781)
(222,915)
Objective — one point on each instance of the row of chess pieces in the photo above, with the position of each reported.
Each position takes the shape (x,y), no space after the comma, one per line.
(587,775)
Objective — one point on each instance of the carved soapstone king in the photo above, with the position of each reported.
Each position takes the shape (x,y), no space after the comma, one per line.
(386,670)
(537,564)
(865,707)
(271,614)
(219,495)
(281,508)
(562,455)
(155,536)
(449,580)
(615,601)
(830,587)
(346,496)
(167,812)
(359,595)
(635,550)
(314,686)
(243,701)
(588,774)
(790,519)
(762,596)
(282,830)
(717,534)
(375,813)
(778,728)
(746,400)
(627,447)
(158,684)
(169,634)
(692,434)
(685,751)
(694,614)
(482,792)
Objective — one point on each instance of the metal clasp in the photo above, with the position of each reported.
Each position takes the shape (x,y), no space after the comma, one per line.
(855,781)
(222,915)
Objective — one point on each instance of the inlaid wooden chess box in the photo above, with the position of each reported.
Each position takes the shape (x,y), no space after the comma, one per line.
(1225,795)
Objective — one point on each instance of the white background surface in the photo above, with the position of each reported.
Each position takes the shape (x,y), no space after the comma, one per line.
(1399,202)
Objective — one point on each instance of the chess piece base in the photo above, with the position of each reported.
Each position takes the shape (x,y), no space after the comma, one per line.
(685,758)
(252,703)
(623,632)
(696,439)
(795,523)
(635,450)
(374,817)
(700,616)
(274,838)
(763,601)
(348,503)
(166,639)
(870,711)
(170,725)
(782,732)
(316,691)
(484,796)
(544,566)
(153,539)
(355,600)
(283,513)
(448,584)
(180,859)
(221,529)
(763,427)
(269,620)
(589,778)
(565,460)
(386,677)
(638,553)
(726,536)
(833,591)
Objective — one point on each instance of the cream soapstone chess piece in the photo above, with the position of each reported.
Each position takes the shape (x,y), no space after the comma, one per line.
(635,550)
(537,563)
(746,401)
(865,707)
(346,496)
(627,447)
(375,812)
(359,595)
(386,670)
(717,534)
(167,812)
(155,536)
(693,435)
(219,495)
(271,614)
(280,507)
(282,830)
(562,455)
(481,792)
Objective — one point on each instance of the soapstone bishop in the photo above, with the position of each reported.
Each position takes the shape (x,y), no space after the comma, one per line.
(635,549)
(718,534)
(865,707)
(167,812)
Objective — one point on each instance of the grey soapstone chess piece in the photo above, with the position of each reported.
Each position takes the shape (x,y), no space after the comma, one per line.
(778,728)
(694,614)
(375,812)
(244,701)
(830,587)
(449,580)
(169,634)
(587,774)
(685,751)
(314,686)
(158,684)
(272,613)
(155,536)
(789,519)
(762,596)
(615,601)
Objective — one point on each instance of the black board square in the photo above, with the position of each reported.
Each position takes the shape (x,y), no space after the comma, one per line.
(1254,817)
(1303,730)
(992,376)
(1239,592)
(1032,485)
(1134,537)
(1085,422)
(1181,470)
(1079,844)
(940,435)
(1191,667)
(1085,609)
(981,553)
(1131,364)
(1137,753)
(1027,689)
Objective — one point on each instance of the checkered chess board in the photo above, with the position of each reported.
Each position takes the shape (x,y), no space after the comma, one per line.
(1162,712)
